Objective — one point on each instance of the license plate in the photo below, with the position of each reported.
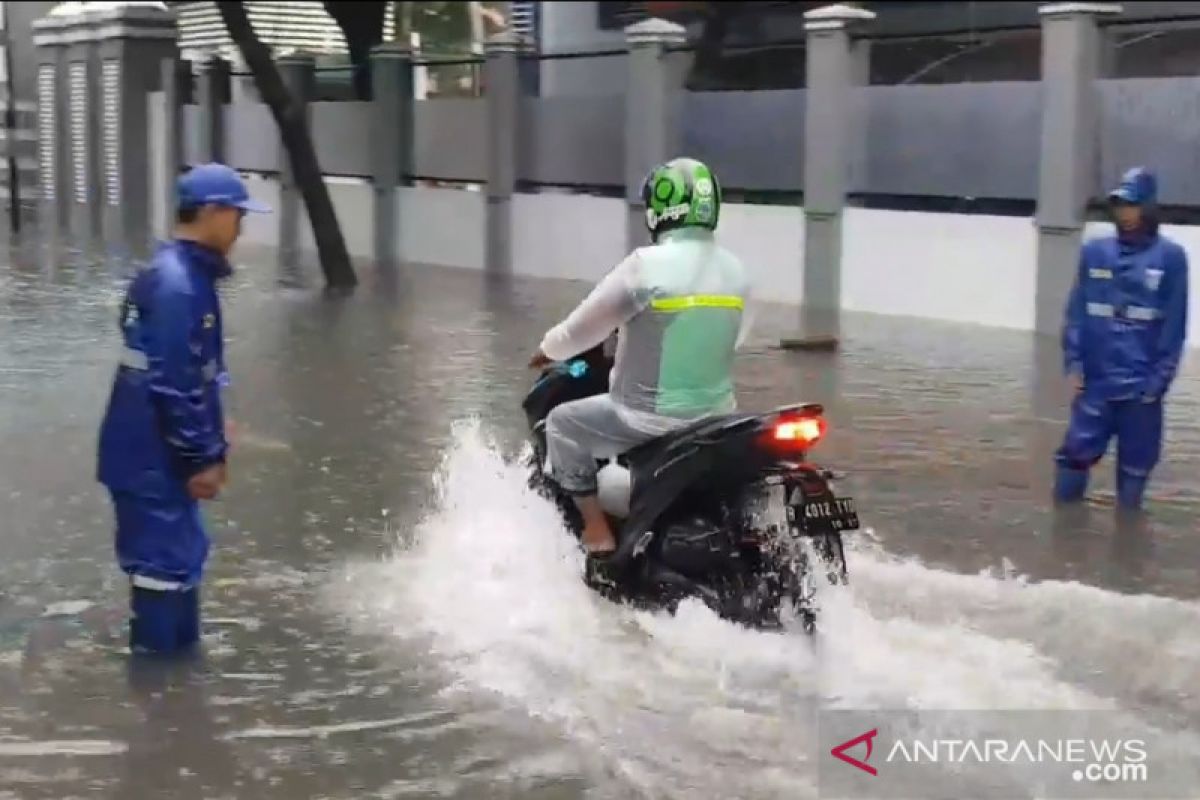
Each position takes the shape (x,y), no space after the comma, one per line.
(824,515)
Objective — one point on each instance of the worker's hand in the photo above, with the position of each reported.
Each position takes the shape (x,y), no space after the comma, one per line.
(231,432)
(1076,381)
(540,360)
(207,485)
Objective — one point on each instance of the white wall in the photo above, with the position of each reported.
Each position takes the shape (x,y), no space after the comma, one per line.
(352,202)
(952,267)
(443,227)
(567,236)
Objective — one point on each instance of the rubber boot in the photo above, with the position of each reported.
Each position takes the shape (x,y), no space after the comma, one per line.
(1070,485)
(1130,491)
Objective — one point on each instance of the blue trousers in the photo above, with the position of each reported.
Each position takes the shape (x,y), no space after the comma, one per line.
(162,545)
(164,622)
(1138,428)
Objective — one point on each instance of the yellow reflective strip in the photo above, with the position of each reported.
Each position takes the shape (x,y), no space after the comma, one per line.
(697,301)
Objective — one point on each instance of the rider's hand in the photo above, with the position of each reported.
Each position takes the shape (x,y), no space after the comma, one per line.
(540,360)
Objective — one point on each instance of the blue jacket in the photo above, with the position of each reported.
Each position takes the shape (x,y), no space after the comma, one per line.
(164,421)
(1126,317)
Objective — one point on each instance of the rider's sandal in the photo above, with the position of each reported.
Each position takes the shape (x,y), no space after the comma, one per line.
(598,570)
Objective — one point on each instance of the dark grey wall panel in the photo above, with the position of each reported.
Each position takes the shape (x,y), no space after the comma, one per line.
(752,140)
(1152,122)
(573,140)
(450,139)
(957,140)
(341,132)
(252,138)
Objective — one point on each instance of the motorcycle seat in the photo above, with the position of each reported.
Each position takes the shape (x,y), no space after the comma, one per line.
(655,448)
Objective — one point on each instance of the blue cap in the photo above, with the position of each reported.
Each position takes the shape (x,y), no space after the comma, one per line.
(1138,186)
(215,184)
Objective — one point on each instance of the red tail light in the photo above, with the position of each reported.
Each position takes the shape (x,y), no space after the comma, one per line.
(800,431)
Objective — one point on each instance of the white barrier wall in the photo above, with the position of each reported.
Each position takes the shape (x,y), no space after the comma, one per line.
(952,267)
(443,227)
(567,236)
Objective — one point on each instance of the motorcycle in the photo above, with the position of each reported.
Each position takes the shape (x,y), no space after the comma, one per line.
(727,509)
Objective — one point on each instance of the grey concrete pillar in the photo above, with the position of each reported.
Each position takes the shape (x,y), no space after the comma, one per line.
(502,88)
(391,144)
(85,217)
(131,43)
(169,151)
(298,71)
(1072,54)
(54,153)
(833,144)
(214,94)
(652,93)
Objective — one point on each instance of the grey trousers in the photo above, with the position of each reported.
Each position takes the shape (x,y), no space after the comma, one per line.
(579,433)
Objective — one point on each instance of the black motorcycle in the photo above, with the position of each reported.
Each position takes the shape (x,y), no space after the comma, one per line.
(727,509)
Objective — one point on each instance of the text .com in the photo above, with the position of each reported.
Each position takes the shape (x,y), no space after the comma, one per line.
(1112,773)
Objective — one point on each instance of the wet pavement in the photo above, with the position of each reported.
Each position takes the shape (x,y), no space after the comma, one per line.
(389,614)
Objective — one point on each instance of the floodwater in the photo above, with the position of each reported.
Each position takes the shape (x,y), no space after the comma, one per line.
(389,613)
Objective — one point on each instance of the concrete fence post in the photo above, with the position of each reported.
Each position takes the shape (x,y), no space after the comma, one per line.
(1072,54)
(298,71)
(832,138)
(391,143)
(83,127)
(653,90)
(169,151)
(502,92)
(131,43)
(214,94)
(54,141)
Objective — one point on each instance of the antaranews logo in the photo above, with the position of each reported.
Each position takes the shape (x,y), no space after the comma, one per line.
(1093,760)
(868,738)
(919,754)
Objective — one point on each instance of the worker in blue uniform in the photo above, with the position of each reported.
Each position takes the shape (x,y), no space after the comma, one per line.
(162,441)
(1123,337)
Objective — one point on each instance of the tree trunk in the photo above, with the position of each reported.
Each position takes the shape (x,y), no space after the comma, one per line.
(293,130)
(362,27)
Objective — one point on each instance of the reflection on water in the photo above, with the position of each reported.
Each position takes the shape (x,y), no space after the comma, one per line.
(389,614)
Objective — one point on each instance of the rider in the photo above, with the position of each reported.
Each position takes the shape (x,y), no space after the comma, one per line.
(679,308)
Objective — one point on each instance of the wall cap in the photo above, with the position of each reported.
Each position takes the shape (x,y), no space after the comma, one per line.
(655,31)
(836,17)
(1080,9)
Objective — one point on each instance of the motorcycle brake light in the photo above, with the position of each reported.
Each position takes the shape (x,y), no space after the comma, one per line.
(805,431)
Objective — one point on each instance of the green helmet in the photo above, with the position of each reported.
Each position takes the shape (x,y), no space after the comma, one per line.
(682,193)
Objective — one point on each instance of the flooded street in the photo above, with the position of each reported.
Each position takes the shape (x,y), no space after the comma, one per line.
(390,613)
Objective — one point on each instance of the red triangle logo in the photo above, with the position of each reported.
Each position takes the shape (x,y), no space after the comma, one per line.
(840,751)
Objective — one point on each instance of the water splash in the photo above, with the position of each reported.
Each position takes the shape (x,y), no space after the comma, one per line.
(489,583)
